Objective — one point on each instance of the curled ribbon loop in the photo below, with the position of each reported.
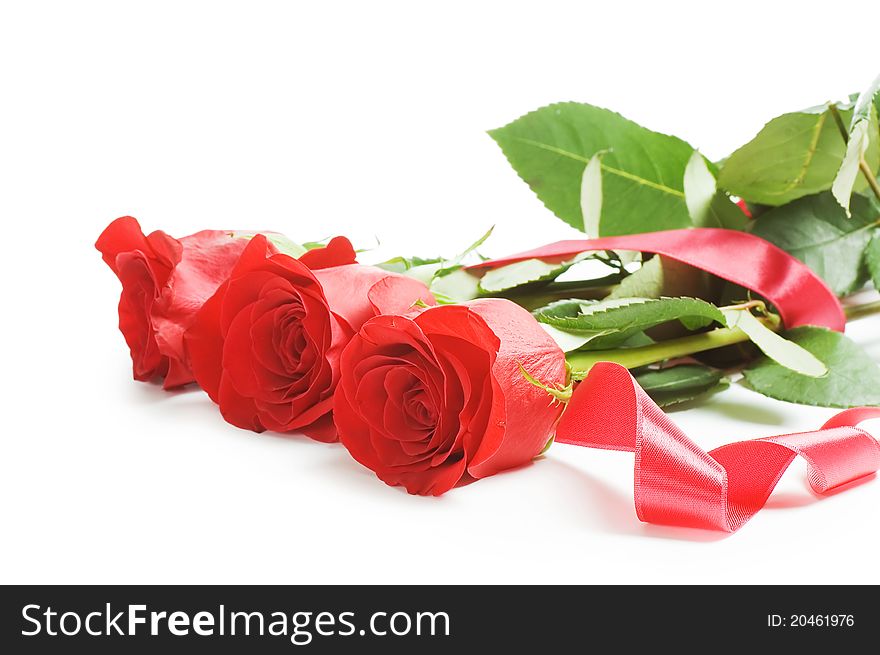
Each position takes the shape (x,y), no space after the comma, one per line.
(799,295)
(678,483)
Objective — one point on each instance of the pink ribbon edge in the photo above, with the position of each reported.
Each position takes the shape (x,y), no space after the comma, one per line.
(678,483)
(801,297)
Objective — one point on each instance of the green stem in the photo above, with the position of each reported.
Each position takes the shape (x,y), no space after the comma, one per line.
(858,311)
(869,176)
(838,119)
(532,299)
(582,361)
(577,285)
(863,165)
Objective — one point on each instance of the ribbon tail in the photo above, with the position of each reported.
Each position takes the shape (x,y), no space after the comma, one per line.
(678,483)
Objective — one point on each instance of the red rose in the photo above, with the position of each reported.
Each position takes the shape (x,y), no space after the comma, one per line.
(164,282)
(428,401)
(266,346)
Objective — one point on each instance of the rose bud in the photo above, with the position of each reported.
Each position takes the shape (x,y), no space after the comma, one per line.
(431,400)
(266,345)
(166,280)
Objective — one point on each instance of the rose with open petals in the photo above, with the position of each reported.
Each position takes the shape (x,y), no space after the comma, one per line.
(266,345)
(428,401)
(164,282)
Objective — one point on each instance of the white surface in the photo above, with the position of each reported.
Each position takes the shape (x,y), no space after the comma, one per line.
(366,119)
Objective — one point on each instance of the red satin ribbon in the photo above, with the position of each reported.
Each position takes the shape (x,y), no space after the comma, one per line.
(678,483)
(799,295)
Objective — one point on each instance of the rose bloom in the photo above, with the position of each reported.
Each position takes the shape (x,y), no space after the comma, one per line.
(165,281)
(266,345)
(431,400)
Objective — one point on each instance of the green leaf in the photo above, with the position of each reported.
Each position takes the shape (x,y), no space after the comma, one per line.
(856,147)
(660,277)
(860,138)
(794,155)
(625,317)
(877,107)
(524,272)
(591,194)
(707,206)
(815,229)
(872,257)
(783,352)
(678,384)
(456,286)
(404,264)
(642,171)
(453,264)
(424,273)
(853,378)
(573,340)
(446,278)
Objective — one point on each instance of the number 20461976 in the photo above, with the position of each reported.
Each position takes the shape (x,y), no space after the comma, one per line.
(810,621)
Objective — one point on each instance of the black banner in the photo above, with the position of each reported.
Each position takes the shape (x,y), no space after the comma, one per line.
(333,619)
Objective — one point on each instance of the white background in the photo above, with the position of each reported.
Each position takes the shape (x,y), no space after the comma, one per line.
(366,119)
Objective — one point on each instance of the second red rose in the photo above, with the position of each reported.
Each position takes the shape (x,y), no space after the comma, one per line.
(266,345)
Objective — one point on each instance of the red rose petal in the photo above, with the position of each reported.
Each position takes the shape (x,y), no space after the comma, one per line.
(337,252)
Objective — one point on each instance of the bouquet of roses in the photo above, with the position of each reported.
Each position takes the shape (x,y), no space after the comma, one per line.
(433,372)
